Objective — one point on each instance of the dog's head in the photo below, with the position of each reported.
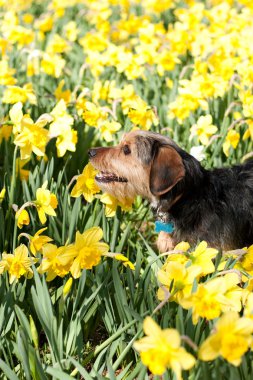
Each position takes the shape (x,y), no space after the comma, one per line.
(144,163)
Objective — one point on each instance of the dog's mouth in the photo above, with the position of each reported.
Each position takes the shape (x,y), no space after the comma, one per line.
(106,177)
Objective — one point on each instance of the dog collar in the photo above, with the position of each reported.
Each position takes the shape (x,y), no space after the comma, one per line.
(165,227)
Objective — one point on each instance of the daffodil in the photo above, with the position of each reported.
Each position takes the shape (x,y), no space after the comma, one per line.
(204,129)
(141,114)
(22,218)
(118,256)
(6,74)
(60,94)
(61,129)
(202,256)
(14,94)
(230,339)
(93,115)
(89,250)
(32,138)
(85,184)
(161,349)
(2,194)
(17,264)
(108,129)
(232,140)
(214,297)
(111,203)
(52,64)
(67,287)
(56,261)
(180,279)
(22,173)
(37,241)
(45,202)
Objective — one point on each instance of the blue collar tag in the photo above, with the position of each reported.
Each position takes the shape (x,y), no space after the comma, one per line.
(165,227)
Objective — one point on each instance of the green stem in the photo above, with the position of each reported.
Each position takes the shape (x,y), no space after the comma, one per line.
(13,177)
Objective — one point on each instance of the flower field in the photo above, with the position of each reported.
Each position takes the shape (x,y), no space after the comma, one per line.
(85,294)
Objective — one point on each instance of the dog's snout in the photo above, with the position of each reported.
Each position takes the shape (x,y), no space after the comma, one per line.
(92,153)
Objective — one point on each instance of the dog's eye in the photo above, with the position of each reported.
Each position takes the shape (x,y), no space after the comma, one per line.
(126,150)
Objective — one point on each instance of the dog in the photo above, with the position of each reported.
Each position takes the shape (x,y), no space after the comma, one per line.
(212,205)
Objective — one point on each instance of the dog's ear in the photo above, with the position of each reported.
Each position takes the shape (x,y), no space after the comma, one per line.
(166,170)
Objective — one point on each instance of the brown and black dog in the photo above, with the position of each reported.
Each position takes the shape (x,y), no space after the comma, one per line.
(211,205)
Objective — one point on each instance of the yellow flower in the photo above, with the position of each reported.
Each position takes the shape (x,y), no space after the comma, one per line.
(56,261)
(5,132)
(166,61)
(232,140)
(67,287)
(59,94)
(108,128)
(230,339)
(2,194)
(45,203)
(161,349)
(16,116)
(71,31)
(85,184)
(93,115)
(38,241)
(52,64)
(57,45)
(246,263)
(111,203)
(204,129)
(202,257)
(66,141)
(141,114)
(14,94)
(182,278)
(44,23)
(61,128)
(6,74)
(17,264)
(20,171)
(22,218)
(213,297)
(124,259)
(89,250)
(32,138)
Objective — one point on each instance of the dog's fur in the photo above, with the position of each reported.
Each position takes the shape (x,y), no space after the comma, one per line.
(211,205)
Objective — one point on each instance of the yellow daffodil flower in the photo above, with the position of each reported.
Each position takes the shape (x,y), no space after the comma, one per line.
(232,140)
(230,339)
(17,264)
(202,256)
(111,203)
(141,114)
(203,129)
(213,297)
(2,194)
(45,202)
(38,241)
(89,250)
(14,94)
(56,261)
(85,184)
(181,277)
(22,218)
(108,129)
(161,349)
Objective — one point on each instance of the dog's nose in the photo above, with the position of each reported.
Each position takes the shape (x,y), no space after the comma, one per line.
(92,153)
